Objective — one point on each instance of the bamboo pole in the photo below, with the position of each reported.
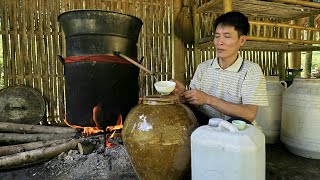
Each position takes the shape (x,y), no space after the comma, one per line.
(207,6)
(169,45)
(281,65)
(163,59)
(147,47)
(39,45)
(227,5)
(153,60)
(268,63)
(5,40)
(13,41)
(196,26)
(178,47)
(20,44)
(275,24)
(156,53)
(49,60)
(281,59)
(308,59)
(284,40)
(28,58)
(299,2)
(295,57)
(55,50)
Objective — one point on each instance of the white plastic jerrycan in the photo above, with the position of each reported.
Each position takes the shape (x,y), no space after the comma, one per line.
(219,151)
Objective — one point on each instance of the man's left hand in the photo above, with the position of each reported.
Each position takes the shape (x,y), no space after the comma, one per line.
(195,97)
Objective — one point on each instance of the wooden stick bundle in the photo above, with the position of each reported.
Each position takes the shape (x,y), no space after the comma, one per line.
(22,145)
(28,128)
(15,138)
(27,158)
(7,150)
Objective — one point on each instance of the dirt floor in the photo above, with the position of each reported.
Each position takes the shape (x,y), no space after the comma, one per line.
(283,165)
(114,164)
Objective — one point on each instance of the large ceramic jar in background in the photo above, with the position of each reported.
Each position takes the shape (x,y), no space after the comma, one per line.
(301,118)
(156,134)
(269,117)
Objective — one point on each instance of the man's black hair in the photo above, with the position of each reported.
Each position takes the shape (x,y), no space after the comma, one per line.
(233,19)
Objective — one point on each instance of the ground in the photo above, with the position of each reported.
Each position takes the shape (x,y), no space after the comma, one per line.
(110,163)
(114,164)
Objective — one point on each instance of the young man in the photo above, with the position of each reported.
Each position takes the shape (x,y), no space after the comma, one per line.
(228,86)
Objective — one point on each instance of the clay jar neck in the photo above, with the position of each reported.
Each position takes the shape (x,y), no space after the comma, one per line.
(160,100)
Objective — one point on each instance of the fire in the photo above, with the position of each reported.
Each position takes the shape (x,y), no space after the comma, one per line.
(96,130)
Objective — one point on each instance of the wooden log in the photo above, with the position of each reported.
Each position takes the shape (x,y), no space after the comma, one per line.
(15,138)
(36,156)
(179,53)
(28,128)
(12,149)
(85,148)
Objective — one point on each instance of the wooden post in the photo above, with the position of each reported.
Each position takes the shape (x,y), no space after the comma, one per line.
(178,47)
(295,57)
(308,60)
(227,5)
(281,66)
(196,27)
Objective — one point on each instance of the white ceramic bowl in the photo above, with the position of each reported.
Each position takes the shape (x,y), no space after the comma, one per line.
(165,87)
(241,125)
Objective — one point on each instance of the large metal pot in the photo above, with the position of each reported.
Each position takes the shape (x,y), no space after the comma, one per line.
(94,76)
(100,32)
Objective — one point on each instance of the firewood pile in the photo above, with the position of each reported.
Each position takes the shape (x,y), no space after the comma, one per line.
(31,151)
(25,144)
(50,152)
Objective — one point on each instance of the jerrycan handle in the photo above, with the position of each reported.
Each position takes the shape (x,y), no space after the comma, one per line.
(215,122)
(284,83)
(229,126)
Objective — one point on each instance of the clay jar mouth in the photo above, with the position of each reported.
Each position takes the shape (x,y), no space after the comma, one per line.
(160,100)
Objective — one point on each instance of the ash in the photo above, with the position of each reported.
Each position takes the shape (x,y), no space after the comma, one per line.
(102,164)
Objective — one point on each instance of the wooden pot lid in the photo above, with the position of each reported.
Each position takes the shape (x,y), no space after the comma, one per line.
(21,104)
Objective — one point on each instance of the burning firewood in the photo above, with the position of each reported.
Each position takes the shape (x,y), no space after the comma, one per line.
(85,148)
(28,128)
(7,150)
(27,158)
(16,138)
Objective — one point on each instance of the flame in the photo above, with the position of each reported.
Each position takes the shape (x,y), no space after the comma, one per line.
(95,130)
(113,129)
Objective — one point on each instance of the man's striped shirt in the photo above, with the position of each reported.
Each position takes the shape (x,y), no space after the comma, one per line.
(241,83)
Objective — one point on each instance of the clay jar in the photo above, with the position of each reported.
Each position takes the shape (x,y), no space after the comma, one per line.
(156,135)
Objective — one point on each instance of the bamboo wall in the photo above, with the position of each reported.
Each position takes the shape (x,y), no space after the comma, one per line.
(32,40)
(31,43)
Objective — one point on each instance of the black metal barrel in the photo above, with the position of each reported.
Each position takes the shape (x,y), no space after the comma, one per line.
(93,76)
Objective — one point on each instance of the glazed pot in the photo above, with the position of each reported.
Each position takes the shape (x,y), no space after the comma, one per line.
(156,134)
